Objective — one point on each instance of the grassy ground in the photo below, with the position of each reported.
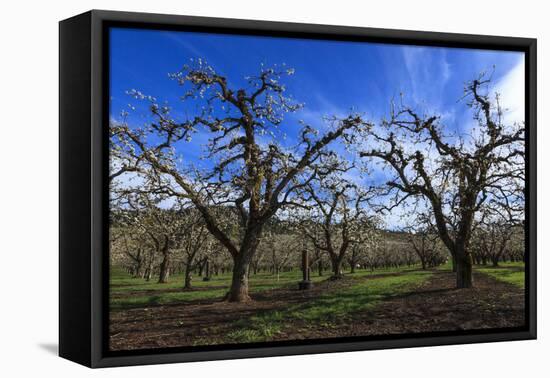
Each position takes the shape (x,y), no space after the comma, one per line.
(330,309)
(510,272)
(513,273)
(386,301)
(128,292)
(152,293)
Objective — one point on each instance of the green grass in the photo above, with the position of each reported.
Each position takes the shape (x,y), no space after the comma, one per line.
(164,298)
(125,290)
(330,309)
(257,328)
(367,272)
(448,266)
(513,273)
(358,292)
(128,292)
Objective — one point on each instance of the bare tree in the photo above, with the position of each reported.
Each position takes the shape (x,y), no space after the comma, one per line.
(494,232)
(454,174)
(355,256)
(337,216)
(252,171)
(137,253)
(425,244)
(141,211)
(281,247)
(129,247)
(318,259)
(192,239)
(257,260)
(423,237)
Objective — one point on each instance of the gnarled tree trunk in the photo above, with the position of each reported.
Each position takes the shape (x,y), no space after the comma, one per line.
(165,264)
(164,269)
(187,284)
(464,265)
(336,267)
(238,292)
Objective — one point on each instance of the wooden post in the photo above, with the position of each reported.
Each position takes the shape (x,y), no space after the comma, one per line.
(306,283)
(207,270)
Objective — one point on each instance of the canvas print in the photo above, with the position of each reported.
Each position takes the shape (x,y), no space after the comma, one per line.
(271,189)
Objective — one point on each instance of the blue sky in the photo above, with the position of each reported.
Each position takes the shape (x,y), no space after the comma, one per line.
(331,77)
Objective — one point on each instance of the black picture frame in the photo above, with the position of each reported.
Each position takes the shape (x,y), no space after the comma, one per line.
(83,228)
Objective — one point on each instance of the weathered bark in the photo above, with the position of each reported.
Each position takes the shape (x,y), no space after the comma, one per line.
(463,267)
(165,264)
(336,268)
(188,277)
(164,269)
(464,274)
(238,291)
(353,259)
(305,265)
(453,262)
(207,268)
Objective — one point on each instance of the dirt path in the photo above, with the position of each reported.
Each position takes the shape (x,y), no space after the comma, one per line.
(438,306)
(434,306)
(181,324)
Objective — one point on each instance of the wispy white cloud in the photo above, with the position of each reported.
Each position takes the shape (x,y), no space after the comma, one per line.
(428,71)
(317,110)
(511,89)
(190,47)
